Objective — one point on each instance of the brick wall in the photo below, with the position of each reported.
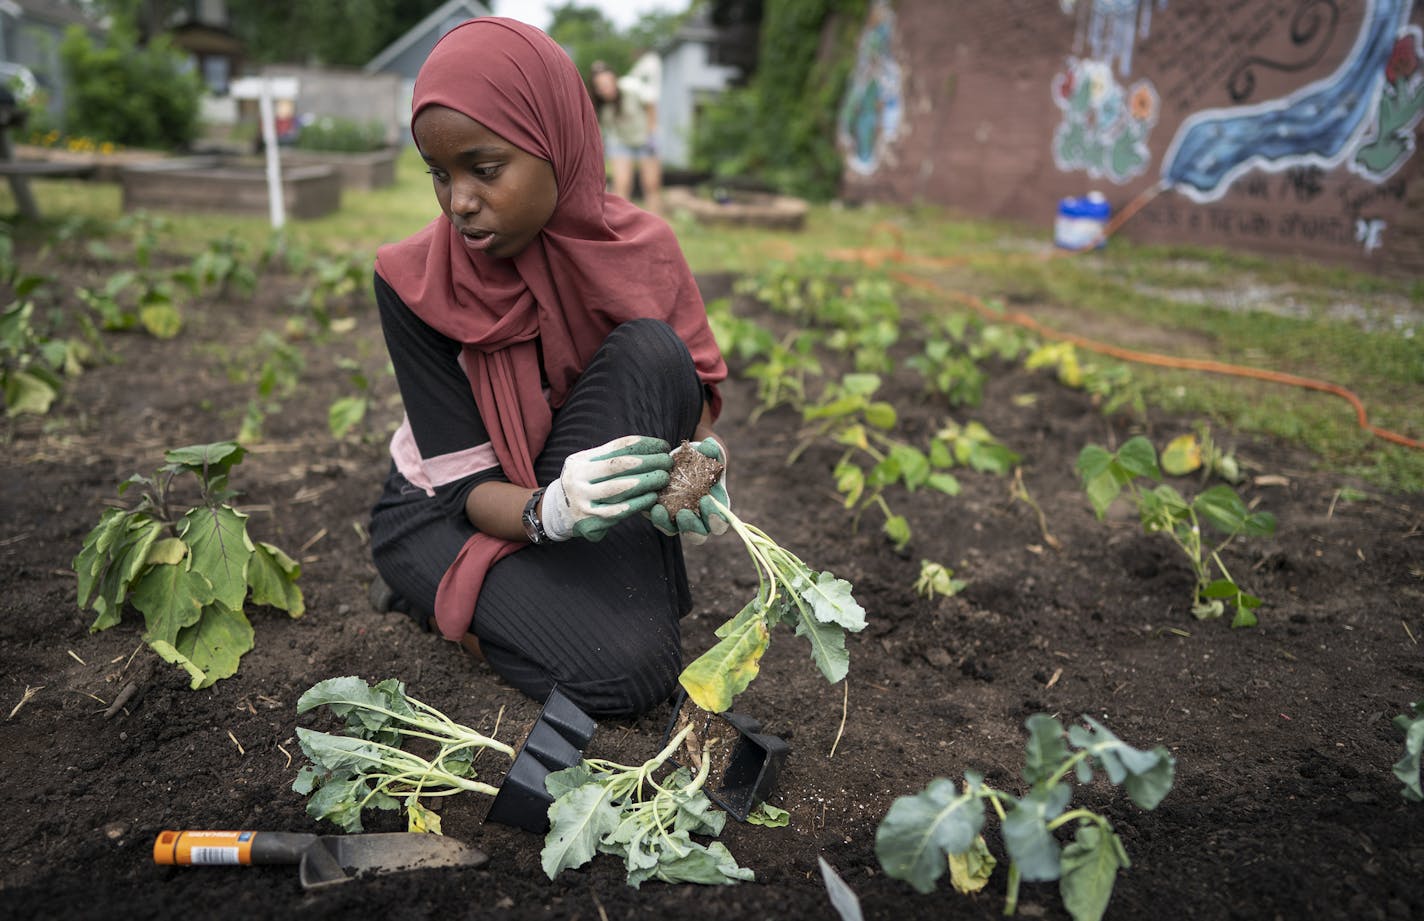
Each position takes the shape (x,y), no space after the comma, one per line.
(1280,126)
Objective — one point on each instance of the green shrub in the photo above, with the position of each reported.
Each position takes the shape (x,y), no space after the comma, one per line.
(137,96)
(344,135)
(781,128)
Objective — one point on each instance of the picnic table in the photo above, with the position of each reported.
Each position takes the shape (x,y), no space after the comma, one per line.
(19,172)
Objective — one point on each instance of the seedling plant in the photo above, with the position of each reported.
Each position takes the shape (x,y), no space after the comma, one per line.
(602,807)
(818,606)
(939,828)
(189,569)
(366,766)
(1407,768)
(1106,475)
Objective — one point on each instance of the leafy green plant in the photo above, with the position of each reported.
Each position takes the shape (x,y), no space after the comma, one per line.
(345,413)
(1111,385)
(336,284)
(847,415)
(949,372)
(342,135)
(190,570)
(939,828)
(1407,768)
(365,766)
(151,305)
(222,266)
(625,810)
(971,445)
(937,579)
(818,606)
(120,91)
(1105,475)
(32,365)
(281,369)
(783,374)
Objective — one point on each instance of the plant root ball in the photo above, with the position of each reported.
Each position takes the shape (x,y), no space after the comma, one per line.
(693,475)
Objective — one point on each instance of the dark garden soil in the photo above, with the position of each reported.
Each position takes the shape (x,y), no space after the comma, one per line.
(1284,804)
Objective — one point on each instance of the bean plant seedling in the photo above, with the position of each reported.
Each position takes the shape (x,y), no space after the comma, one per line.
(818,606)
(939,828)
(1162,509)
(365,766)
(1407,768)
(190,570)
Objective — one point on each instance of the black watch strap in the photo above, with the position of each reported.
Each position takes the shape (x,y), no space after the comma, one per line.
(533,527)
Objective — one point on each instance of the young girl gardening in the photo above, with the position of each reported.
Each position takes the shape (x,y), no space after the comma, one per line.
(551,347)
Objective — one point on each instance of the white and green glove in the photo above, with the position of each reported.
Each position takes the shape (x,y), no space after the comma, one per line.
(694,527)
(601,486)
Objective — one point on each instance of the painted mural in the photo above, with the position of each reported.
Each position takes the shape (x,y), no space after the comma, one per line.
(1323,124)
(1288,126)
(1105,124)
(870,117)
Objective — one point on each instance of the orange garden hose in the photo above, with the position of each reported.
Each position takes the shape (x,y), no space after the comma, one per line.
(878,257)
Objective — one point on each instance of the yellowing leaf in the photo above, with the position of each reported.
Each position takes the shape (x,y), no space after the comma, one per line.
(272,575)
(714,678)
(419,819)
(161,320)
(970,871)
(169,551)
(1182,455)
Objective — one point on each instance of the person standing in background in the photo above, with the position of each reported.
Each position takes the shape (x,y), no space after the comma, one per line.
(628,118)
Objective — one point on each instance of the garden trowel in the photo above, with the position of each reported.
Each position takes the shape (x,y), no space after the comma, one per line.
(322,860)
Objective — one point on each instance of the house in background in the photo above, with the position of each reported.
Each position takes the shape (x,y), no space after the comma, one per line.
(204,32)
(693,75)
(30,34)
(404,56)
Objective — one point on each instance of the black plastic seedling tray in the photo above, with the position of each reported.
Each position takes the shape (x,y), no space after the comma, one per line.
(753,767)
(555,742)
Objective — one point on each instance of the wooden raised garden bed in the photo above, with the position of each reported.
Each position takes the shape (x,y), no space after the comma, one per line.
(741,209)
(206,184)
(373,169)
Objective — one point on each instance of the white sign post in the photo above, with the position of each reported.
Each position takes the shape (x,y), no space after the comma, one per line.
(265,90)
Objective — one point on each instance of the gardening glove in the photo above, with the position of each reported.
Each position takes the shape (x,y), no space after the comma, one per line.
(695,526)
(601,486)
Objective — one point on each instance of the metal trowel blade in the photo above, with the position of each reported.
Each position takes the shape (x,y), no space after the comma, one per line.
(339,858)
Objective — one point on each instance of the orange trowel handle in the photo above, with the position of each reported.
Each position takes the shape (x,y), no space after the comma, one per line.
(208,848)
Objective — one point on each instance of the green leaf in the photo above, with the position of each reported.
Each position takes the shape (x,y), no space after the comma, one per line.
(1407,768)
(125,560)
(769,816)
(897,529)
(210,460)
(914,465)
(881,415)
(1030,844)
(345,414)
(1138,458)
(214,644)
(843,898)
(850,482)
(1222,509)
(944,482)
(578,820)
(970,871)
(90,562)
(1090,864)
(337,754)
(220,549)
(717,676)
(686,861)
(170,596)
(919,831)
(1046,749)
(831,601)
(827,647)
(366,709)
(1147,775)
(570,778)
(272,576)
(26,392)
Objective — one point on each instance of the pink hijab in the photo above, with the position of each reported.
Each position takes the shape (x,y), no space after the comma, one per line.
(598,262)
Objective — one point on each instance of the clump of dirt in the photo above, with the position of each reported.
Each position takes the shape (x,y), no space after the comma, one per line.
(693,475)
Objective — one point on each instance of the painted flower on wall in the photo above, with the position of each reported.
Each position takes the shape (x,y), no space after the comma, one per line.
(1143,103)
(1403,61)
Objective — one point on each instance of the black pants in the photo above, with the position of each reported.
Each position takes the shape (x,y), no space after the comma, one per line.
(599,619)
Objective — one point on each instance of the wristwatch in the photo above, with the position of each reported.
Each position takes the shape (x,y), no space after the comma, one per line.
(533,527)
